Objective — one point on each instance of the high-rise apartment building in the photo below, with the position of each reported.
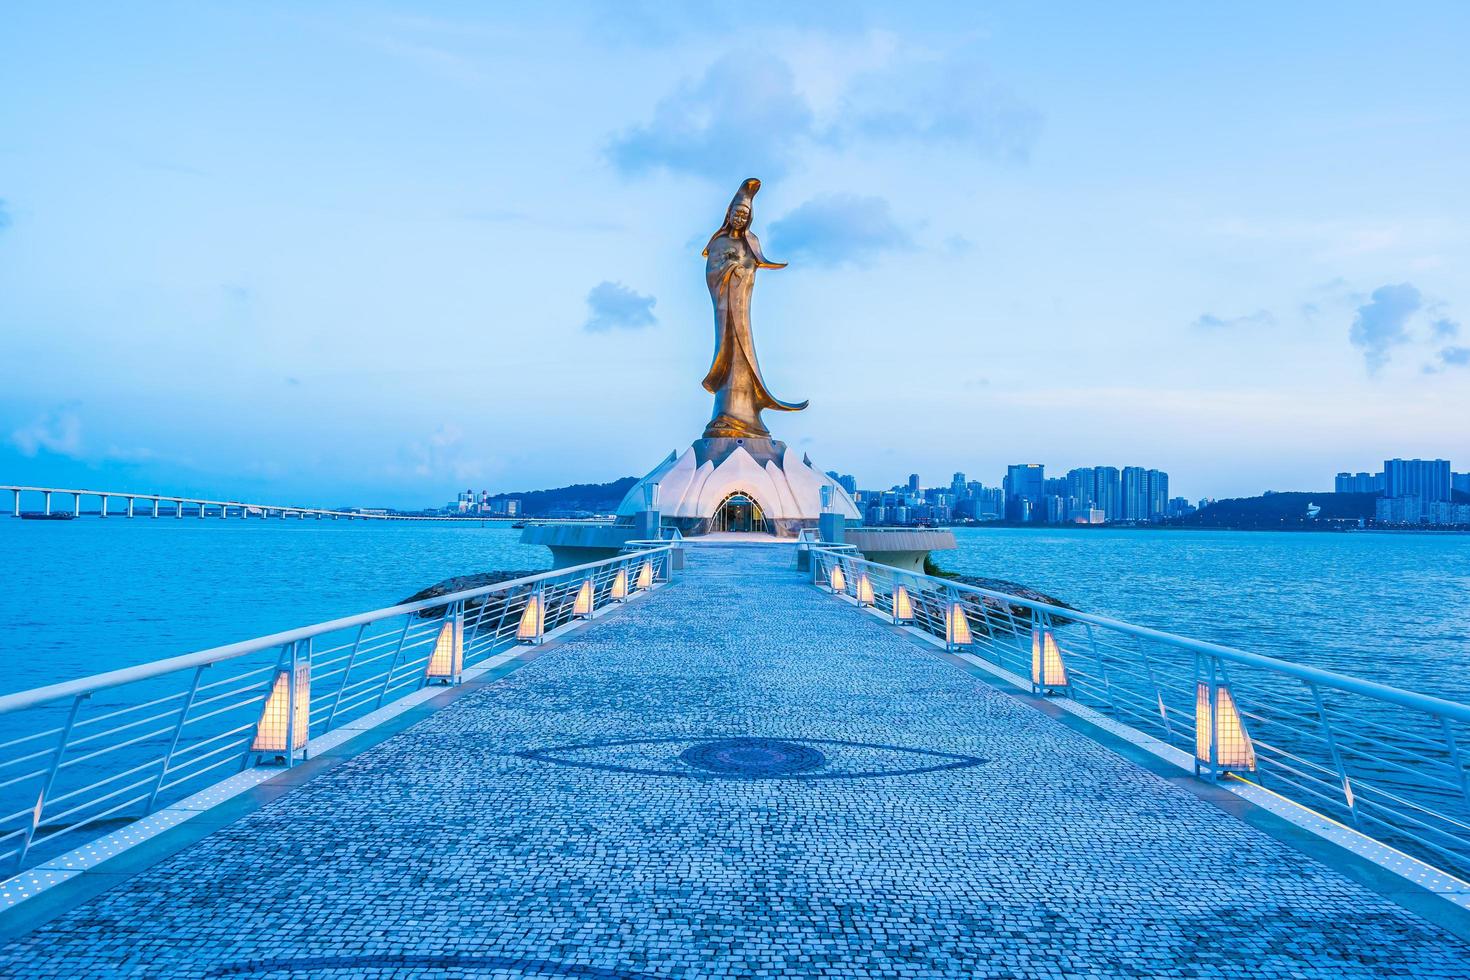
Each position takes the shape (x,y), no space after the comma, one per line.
(1024,482)
(1427,479)
(1358,483)
(1158,494)
(1135,493)
(1081,487)
(1107,491)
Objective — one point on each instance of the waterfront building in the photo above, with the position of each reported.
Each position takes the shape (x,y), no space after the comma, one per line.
(1024,482)
(913,483)
(1056,508)
(1358,483)
(1460,482)
(1081,485)
(1427,479)
(1089,515)
(1398,510)
(1443,512)
(1135,493)
(1158,494)
(1107,491)
(1179,507)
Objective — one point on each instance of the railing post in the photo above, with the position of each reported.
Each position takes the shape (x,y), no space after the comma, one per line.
(296,661)
(397,652)
(1342,776)
(173,742)
(1454,746)
(1153,681)
(346,675)
(50,780)
(1102,669)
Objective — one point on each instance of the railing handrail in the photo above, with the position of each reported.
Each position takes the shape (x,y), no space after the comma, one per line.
(21,700)
(1315,675)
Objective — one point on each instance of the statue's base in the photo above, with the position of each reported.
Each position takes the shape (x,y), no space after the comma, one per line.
(693,487)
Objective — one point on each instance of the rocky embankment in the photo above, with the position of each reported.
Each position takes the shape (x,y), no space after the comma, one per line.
(463,583)
(999,585)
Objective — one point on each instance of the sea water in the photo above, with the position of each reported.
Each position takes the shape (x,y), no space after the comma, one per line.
(89,595)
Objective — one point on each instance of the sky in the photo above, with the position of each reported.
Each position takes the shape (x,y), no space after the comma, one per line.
(377,253)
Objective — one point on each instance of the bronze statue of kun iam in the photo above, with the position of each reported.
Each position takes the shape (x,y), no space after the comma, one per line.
(734,255)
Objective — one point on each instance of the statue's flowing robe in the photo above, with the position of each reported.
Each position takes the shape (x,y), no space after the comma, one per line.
(730,275)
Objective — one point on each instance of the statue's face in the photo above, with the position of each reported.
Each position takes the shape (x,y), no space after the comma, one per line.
(740,218)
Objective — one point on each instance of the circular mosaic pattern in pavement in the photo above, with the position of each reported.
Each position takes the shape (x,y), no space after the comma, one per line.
(753,757)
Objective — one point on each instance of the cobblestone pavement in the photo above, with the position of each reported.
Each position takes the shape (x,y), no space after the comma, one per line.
(887,815)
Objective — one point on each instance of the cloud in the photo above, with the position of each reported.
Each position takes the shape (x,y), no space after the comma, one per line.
(58,431)
(839,228)
(612,304)
(442,452)
(748,113)
(1380,323)
(744,113)
(950,100)
(1454,357)
(1444,328)
(1260,318)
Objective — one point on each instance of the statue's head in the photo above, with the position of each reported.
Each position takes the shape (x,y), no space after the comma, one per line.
(737,216)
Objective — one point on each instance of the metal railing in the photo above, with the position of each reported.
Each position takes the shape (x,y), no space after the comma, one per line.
(80,757)
(1394,764)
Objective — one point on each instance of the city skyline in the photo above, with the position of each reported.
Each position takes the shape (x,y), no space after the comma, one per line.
(338,279)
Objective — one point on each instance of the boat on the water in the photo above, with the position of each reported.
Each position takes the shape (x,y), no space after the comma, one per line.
(56,515)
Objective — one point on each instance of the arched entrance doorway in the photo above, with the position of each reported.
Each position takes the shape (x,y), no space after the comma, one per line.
(739,512)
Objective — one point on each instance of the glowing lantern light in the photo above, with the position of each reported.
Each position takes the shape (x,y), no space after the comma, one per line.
(276,723)
(956,626)
(864,589)
(446,663)
(903,606)
(583,606)
(620,585)
(1048,671)
(837,580)
(645,576)
(533,620)
(1221,743)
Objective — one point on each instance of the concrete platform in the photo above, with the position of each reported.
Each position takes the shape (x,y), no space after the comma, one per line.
(603,813)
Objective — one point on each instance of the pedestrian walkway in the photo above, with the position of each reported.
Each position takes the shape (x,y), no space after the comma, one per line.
(738,777)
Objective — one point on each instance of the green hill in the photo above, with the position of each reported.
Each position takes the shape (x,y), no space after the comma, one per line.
(591,498)
(1283,510)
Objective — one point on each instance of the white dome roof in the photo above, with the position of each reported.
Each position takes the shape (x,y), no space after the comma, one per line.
(687,488)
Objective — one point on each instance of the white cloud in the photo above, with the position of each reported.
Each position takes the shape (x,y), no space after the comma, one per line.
(58,431)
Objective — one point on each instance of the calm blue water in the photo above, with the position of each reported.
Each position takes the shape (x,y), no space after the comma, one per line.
(91,595)
(1391,607)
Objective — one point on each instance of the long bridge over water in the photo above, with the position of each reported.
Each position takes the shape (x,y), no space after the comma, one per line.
(627,770)
(153,504)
